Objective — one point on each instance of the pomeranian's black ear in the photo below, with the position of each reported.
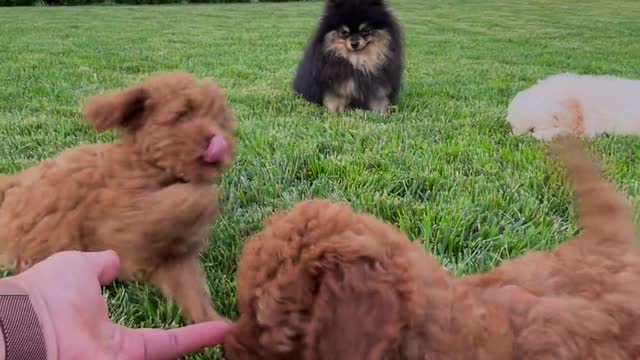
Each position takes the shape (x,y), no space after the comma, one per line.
(339,2)
(369,2)
(365,2)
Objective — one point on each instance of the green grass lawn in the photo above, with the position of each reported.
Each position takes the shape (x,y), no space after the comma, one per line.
(444,168)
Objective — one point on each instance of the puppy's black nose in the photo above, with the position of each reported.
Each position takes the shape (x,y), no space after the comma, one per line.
(355,44)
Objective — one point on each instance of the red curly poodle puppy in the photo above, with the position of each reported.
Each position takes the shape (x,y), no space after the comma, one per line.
(322,282)
(149,196)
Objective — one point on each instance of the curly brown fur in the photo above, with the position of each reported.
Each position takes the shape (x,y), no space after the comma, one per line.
(149,196)
(323,282)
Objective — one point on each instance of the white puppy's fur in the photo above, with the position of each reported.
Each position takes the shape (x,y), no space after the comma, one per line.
(575,104)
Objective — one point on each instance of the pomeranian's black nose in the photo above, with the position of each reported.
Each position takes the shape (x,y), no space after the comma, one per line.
(355,44)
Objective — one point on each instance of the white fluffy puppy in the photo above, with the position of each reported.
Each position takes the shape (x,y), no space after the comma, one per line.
(575,104)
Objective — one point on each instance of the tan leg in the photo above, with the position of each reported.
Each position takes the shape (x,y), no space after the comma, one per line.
(335,104)
(380,105)
(184,283)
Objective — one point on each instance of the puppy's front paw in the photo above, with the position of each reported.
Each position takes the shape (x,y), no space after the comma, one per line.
(198,313)
(334,103)
(335,108)
(382,106)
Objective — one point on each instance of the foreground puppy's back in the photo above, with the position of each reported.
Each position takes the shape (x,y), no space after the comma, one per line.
(363,275)
(578,301)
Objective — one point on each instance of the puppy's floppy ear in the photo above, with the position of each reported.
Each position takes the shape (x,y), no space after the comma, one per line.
(358,313)
(121,109)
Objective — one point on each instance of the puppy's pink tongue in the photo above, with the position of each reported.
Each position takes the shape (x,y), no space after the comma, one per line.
(217,150)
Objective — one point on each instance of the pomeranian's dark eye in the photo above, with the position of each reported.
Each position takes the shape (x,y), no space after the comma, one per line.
(343,33)
(365,32)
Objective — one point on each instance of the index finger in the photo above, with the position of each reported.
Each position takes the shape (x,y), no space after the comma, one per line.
(174,343)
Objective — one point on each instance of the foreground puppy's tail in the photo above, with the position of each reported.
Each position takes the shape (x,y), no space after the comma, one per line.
(602,211)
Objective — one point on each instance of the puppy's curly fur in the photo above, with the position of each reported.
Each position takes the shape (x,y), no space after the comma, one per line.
(323,282)
(149,196)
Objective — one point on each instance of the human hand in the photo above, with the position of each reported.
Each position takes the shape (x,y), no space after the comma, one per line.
(66,294)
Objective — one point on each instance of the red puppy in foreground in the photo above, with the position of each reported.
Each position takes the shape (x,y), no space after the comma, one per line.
(322,282)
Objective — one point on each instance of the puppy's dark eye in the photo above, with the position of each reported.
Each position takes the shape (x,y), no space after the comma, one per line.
(365,32)
(182,116)
(343,33)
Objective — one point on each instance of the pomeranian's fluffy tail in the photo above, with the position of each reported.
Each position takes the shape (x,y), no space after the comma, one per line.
(602,211)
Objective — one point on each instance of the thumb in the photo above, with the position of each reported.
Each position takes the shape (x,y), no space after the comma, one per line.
(105,264)
(175,343)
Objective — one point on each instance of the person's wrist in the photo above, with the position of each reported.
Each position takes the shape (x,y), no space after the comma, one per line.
(3,349)
(13,286)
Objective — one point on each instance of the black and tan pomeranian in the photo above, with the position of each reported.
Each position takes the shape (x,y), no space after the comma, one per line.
(354,59)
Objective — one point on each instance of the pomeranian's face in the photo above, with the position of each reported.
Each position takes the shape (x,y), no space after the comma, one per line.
(365,47)
(354,39)
(359,31)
